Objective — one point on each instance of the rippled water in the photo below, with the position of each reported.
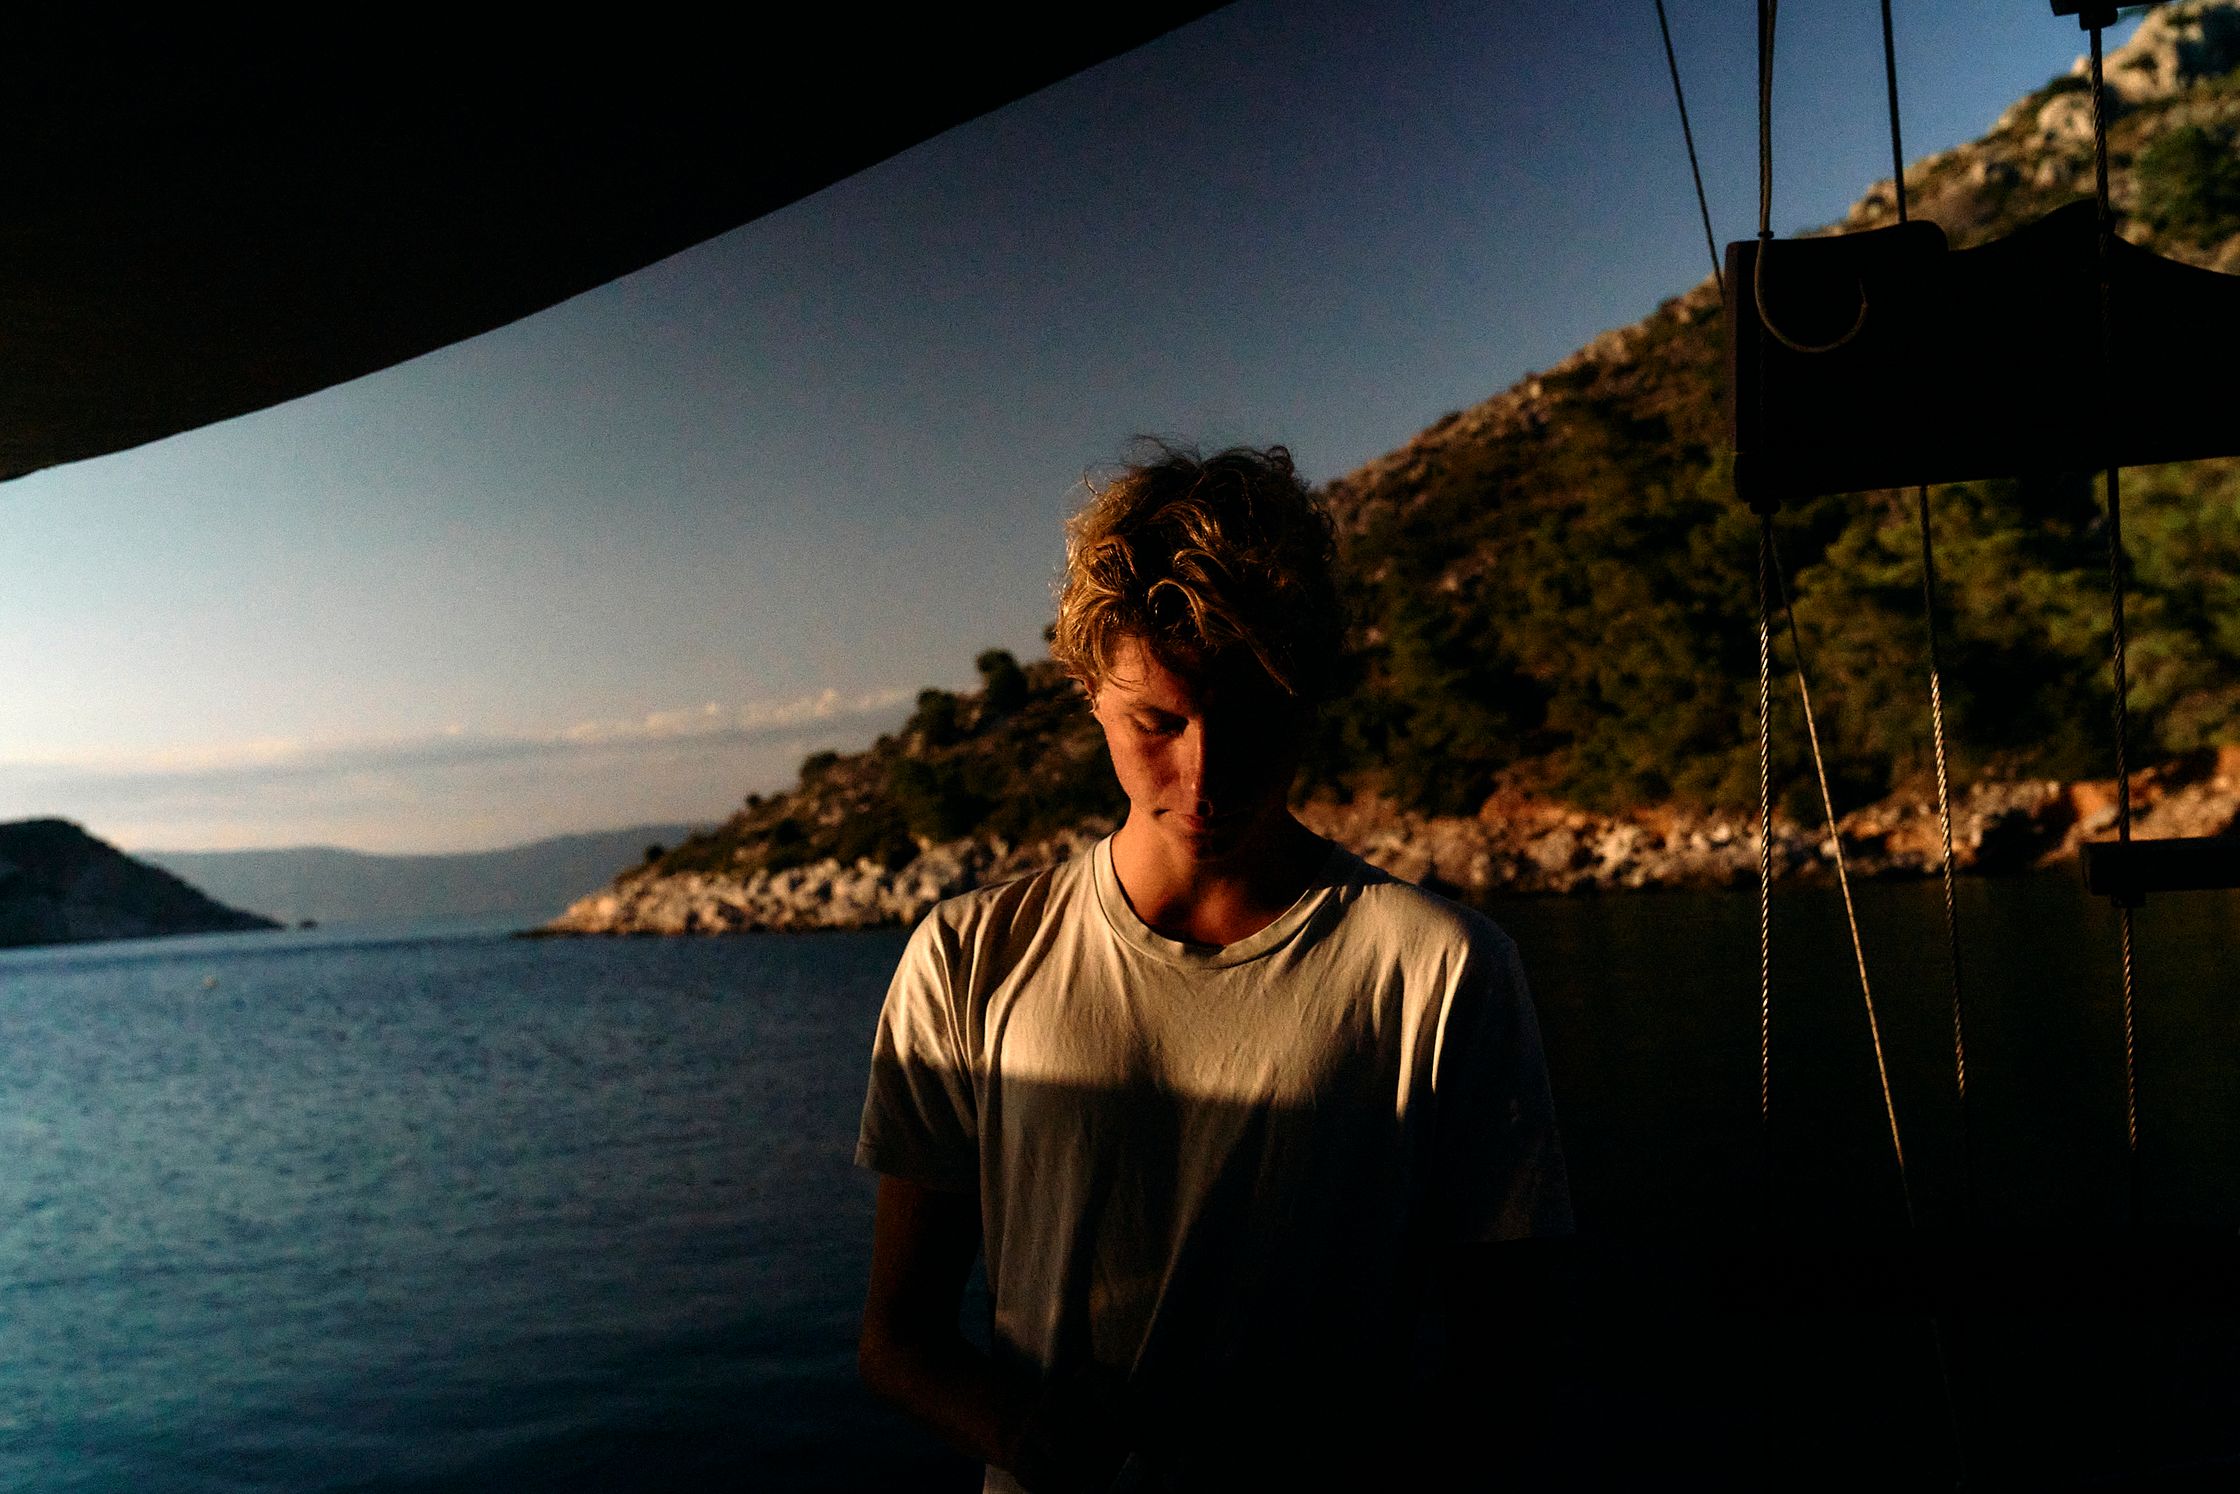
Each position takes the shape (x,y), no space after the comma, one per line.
(443,1210)
(421,1212)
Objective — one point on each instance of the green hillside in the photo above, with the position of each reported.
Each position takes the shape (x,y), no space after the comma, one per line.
(1017,760)
(1554,590)
(1558,586)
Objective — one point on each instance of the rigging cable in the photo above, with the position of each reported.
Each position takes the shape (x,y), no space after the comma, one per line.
(1944,799)
(1769,559)
(1765,663)
(2115,606)
(1703,203)
(1936,684)
(1767,14)
(1765,632)
(1766,18)
(1765,671)
(1866,991)
(1765,839)
(1843,882)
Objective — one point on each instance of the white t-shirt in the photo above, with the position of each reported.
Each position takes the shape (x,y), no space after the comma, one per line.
(1200,1168)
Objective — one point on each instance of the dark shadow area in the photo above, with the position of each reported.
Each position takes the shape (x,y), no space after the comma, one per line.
(1745,1306)
(1749,1307)
(209,218)
(1987,329)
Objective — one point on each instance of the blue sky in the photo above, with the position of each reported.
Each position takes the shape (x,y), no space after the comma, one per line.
(631,558)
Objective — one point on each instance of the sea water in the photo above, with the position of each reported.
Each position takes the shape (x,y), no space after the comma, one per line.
(420,1210)
(440,1209)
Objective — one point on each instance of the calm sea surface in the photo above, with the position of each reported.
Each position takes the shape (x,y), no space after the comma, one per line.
(434,1209)
(449,1211)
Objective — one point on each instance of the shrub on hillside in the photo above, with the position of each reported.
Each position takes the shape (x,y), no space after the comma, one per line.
(1003,684)
(938,721)
(2189,184)
(787,845)
(934,799)
(878,833)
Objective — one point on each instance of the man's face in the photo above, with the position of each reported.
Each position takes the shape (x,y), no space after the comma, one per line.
(1205,752)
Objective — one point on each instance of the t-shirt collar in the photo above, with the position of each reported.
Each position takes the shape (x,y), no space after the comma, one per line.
(1132,931)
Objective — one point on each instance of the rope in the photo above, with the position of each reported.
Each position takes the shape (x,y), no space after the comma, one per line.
(1765,656)
(1703,203)
(1944,831)
(1890,80)
(1765,824)
(2115,617)
(1769,559)
(1944,800)
(1768,11)
(1936,686)
(1843,882)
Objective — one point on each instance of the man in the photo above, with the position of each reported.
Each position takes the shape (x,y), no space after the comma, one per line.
(1223,1105)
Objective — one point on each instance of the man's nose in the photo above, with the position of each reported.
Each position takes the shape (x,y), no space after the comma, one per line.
(1205,759)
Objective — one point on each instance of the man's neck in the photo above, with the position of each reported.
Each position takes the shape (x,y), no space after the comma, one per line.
(1215,900)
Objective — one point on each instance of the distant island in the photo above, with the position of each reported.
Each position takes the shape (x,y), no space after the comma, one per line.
(326,885)
(1553,593)
(59,885)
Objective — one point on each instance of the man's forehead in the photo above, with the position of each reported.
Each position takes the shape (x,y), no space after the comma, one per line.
(1181,679)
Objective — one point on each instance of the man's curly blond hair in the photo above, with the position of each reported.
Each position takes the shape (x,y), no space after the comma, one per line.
(1197,556)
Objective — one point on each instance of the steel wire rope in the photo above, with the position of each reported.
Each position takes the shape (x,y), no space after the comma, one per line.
(1866,993)
(1936,688)
(1765,841)
(1944,797)
(1944,794)
(2122,706)
(1767,17)
(1695,168)
(1765,690)
(1769,559)
(1843,881)
(1768,14)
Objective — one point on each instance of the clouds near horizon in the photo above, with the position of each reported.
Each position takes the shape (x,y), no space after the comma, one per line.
(483,789)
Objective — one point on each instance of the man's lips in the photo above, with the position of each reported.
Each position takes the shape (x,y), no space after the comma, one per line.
(1219,820)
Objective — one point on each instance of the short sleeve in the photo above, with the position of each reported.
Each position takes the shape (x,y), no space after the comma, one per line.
(1499,1172)
(921,1116)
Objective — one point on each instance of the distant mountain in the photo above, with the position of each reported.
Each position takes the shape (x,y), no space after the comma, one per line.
(1555,587)
(59,885)
(330,885)
(1553,593)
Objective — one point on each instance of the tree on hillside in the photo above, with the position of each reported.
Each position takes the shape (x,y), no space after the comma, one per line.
(1003,684)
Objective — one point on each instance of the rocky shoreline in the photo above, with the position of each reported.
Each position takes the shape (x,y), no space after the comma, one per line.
(822,894)
(1515,845)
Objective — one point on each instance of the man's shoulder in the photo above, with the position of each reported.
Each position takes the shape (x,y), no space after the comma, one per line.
(997,911)
(1391,908)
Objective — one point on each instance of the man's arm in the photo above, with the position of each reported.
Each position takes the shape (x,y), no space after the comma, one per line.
(911,1351)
